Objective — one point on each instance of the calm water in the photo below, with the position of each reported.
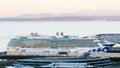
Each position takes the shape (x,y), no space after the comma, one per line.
(9,30)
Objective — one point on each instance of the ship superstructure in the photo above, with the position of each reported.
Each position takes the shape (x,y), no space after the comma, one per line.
(35,44)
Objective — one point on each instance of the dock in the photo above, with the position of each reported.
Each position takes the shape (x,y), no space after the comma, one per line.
(114,57)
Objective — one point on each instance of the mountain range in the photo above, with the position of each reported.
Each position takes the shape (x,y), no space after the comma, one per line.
(85,16)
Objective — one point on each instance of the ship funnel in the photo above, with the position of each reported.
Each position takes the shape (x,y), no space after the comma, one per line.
(62,34)
(57,33)
(34,34)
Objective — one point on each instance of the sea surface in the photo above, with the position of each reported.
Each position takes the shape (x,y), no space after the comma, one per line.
(11,29)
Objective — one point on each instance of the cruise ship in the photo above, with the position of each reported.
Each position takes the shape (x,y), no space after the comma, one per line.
(60,51)
(37,44)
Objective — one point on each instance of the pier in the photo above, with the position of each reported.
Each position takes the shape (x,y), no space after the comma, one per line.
(114,57)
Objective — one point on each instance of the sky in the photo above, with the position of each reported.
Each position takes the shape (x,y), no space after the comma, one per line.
(9,8)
